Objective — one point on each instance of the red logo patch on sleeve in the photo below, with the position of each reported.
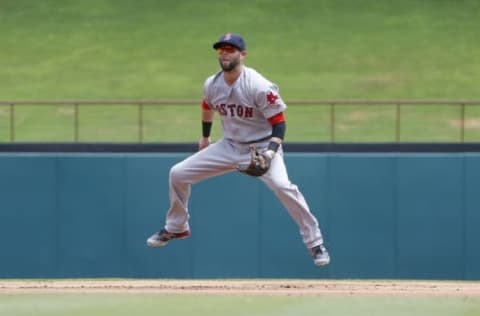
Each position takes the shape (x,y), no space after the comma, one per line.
(272,98)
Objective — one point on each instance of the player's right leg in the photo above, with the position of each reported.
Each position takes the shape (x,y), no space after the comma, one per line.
(213,160)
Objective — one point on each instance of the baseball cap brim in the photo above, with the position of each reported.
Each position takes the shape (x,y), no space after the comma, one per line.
(225,43)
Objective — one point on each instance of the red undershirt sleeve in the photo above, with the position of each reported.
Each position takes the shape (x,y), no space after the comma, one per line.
(277,118)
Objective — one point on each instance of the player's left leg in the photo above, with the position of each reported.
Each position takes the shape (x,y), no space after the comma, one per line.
(294,201)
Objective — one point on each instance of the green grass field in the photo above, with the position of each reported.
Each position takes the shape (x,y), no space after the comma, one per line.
(238,305)
(327,49)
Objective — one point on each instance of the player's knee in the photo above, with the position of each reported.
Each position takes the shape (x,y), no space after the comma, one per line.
(176,173)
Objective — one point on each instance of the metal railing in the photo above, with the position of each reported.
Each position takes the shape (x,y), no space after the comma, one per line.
(77,103)
(332,104)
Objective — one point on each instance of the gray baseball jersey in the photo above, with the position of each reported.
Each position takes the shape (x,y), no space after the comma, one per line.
(245,106)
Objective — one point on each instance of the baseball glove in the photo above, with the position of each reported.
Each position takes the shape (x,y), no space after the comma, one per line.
(259,162)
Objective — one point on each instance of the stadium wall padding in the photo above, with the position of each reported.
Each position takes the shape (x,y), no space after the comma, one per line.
(383,215)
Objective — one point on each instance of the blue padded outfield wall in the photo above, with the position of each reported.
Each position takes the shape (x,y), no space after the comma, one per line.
(388,215)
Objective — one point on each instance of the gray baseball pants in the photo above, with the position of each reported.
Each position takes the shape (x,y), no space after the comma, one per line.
(226,156)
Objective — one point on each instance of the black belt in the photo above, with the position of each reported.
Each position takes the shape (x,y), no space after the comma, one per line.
(252,141)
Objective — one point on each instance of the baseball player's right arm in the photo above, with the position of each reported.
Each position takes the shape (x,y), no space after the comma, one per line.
(207,121)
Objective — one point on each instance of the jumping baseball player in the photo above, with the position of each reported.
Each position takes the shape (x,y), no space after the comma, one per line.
(253,124)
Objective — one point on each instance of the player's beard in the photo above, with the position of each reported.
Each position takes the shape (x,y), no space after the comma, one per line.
(229,66)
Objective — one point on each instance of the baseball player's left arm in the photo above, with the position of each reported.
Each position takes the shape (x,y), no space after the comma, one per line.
(260,161)
(279,127)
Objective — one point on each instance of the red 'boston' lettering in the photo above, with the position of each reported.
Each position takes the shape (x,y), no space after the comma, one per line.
(248,112)
(231,107)
(234,110)
(221,109)
(240,110)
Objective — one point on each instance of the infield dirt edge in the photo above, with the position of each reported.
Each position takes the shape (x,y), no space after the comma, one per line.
(246,287)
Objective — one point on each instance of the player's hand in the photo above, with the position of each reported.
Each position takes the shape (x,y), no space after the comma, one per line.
(259,162)
(268,155)
(204,142)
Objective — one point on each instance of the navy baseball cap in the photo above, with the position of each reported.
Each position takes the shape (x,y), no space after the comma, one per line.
(231,39)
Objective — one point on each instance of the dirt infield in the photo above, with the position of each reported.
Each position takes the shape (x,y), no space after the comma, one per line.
(248,287)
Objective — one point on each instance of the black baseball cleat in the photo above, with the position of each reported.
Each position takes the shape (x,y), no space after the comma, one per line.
(162,238)
(320,255)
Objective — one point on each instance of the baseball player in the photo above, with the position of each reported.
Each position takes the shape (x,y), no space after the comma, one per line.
(253,124)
